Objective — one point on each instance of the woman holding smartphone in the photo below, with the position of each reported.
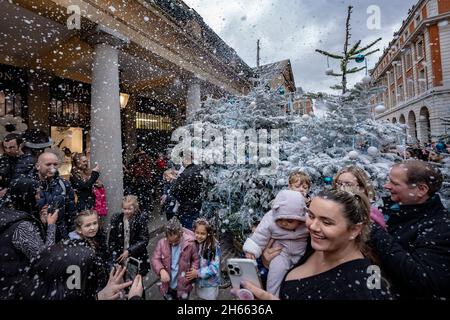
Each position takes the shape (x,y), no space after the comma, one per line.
(338,223)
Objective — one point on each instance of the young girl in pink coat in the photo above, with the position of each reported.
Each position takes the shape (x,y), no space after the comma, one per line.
(174,256)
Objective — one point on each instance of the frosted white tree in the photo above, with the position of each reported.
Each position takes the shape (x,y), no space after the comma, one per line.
(238,194)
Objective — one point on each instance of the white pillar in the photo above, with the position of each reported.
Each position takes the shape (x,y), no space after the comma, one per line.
(106,142)
(193,98)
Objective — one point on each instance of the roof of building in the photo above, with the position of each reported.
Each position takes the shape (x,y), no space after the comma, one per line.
(270,71)
(182,14)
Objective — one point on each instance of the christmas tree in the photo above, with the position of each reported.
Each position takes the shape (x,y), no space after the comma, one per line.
(355,53)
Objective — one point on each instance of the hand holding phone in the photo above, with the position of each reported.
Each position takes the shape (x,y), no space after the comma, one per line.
(243,270)
(133,268)
(52,217)
(123,257)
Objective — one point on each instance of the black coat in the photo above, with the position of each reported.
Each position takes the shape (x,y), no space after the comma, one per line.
(56,196)
(139,239)
(12,261)
(100,249)
(188,190)
(83,189)
(170,202)
(25,165)
(415,252)
(7,170)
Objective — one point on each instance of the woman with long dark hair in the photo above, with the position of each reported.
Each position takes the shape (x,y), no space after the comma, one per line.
(83,180)
(334,266)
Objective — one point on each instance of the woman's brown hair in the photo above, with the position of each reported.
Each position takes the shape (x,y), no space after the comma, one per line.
(362,179)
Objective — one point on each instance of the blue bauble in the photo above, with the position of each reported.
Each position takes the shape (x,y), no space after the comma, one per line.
(440,147)
(328,180)
(281,91)
(360,58)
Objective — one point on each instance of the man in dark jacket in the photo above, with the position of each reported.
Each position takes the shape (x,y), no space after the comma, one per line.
(12,145)
(187,191)
(35,142)
(57,193)
(415,251)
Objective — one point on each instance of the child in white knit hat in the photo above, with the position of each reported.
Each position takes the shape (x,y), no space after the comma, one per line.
(285,223)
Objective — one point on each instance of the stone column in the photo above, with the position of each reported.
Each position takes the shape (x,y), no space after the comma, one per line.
(389,104)
(193,98)
(129,121)
(106,142)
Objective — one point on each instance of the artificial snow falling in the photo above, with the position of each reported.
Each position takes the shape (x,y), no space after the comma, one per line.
(140,152)
(318,145)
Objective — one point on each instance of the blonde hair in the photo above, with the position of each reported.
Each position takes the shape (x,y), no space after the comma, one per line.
(169,172)
(299,176)
(133,200)
(361,177)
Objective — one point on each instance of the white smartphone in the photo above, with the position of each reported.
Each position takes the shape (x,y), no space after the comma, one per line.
(243,269)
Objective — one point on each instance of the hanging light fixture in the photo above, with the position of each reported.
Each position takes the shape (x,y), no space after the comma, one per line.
(124,99)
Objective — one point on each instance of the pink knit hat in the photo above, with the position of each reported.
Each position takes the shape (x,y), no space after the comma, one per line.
(289,204)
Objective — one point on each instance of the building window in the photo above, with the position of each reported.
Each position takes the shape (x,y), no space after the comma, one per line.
(69,103)
(422,81)
(399,69)
(410,87)
(417,18)
(10,104)
(65,112)
(148,121)
(13,92)
(420,50)
(391,77)
(400,93)
(408,59)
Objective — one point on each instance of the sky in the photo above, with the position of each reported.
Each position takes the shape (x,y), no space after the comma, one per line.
(293,29)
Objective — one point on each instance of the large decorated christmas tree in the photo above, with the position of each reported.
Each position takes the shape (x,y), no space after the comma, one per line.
(249,145)
(275,143)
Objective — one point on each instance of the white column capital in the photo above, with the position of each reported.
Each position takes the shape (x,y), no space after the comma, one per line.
(104,35)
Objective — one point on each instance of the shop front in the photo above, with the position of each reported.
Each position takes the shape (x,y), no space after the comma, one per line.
(154,125)
(70,118)
(13,94)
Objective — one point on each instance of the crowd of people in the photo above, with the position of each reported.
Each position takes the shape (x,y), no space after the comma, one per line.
(437,152)
(336,244)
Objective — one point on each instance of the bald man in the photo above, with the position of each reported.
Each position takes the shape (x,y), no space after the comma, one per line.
(56,193)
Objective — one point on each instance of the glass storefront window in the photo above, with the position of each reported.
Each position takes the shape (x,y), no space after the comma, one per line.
(10,103)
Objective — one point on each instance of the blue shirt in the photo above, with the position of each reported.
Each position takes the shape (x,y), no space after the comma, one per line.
(174,267)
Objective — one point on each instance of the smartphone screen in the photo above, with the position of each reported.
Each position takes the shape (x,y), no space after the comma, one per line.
(133,267)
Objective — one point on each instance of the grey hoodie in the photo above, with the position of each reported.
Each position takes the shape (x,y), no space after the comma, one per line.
(288,204)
